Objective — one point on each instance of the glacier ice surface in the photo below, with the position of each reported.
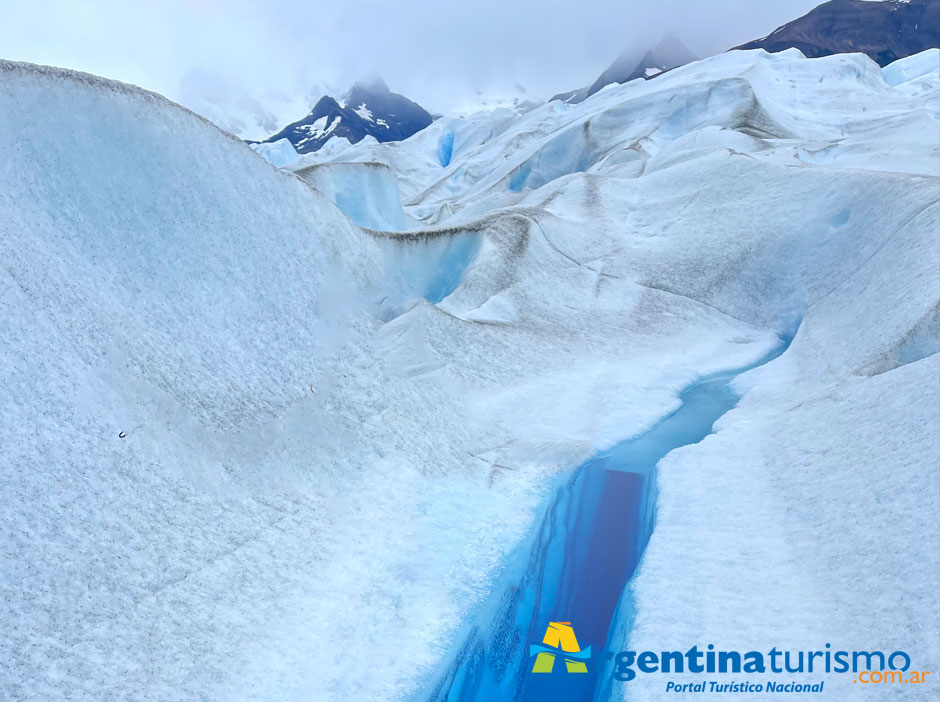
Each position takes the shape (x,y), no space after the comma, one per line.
(250,449)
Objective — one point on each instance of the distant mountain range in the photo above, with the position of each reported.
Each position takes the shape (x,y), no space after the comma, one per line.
(668,54)
(369,108)
(885,31)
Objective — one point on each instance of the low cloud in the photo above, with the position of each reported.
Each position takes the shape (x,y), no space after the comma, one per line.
(440,54)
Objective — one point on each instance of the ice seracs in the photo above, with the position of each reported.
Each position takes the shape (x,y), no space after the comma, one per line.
(278,153)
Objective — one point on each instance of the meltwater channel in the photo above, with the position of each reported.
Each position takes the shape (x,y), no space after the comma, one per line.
(577,565)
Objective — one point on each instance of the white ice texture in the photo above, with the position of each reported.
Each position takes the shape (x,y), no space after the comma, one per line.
(272,436)
(278,153)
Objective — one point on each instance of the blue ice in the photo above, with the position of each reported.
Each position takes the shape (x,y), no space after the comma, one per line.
(576,567)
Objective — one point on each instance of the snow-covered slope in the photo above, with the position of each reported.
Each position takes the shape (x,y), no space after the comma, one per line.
(253,452)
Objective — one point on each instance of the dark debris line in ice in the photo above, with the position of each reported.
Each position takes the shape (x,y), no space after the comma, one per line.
(576,566)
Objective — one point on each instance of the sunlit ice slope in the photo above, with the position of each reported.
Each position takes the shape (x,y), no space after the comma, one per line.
(334,438)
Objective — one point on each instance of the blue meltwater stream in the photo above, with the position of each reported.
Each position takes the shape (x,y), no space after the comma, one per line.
(576,568)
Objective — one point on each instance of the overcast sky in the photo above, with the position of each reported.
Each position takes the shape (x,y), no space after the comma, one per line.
(438,53)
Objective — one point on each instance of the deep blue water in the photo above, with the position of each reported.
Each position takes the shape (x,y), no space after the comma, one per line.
(577,565)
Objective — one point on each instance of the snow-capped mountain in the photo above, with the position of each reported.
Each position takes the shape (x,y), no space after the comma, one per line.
(368,109)
(885,31)
(668,54)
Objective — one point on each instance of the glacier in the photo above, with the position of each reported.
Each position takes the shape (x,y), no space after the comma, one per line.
(287,433)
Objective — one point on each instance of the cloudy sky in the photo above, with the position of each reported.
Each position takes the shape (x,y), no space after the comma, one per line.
(442,54)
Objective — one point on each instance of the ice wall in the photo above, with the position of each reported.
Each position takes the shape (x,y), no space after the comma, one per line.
(366,192)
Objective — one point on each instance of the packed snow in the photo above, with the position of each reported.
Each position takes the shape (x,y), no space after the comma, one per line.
(275,434)
(364,112)
(319,129)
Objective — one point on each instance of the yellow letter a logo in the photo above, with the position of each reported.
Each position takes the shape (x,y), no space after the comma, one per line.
(559,635)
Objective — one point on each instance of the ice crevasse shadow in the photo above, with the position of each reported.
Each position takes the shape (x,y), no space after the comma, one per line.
(427,265)
(576,566)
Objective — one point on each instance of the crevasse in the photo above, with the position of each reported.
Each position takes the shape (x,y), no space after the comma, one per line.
(576,566)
